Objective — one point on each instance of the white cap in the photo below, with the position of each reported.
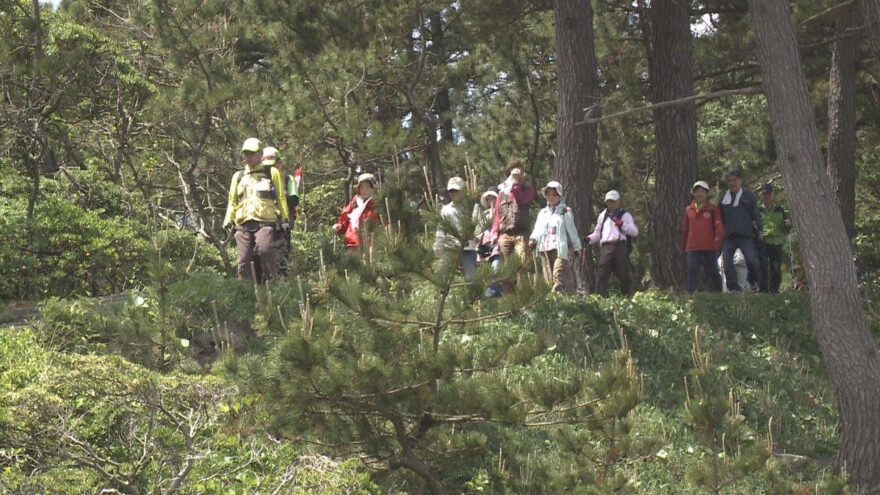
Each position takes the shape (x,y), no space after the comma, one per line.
(270,155)
(252,145)
(555,186)
(612,195)
(455,184)
(700,183)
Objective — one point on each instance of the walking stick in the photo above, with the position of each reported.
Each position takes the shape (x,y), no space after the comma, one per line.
(791,262)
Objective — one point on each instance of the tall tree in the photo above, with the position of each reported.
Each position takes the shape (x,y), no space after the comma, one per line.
(847,345)
(442,103)
(576,166)
(675,127)
(871,14)
(842,117)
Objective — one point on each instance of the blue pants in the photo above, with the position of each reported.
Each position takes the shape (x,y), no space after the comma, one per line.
(494,289)
(709,260)
(469,264)
(750,252)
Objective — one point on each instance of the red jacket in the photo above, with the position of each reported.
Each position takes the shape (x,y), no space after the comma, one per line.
(522,194)
(369,216)
(702,230)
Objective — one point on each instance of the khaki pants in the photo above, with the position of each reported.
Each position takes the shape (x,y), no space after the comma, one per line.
(554,269)
(250,243)
(613,257)
(508,244)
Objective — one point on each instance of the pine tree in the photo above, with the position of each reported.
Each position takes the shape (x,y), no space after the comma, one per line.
(392,359)
(730,450)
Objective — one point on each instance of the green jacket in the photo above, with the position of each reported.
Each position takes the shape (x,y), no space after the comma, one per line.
(774,218)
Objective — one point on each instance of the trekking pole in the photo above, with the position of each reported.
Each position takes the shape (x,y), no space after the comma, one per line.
(791,262)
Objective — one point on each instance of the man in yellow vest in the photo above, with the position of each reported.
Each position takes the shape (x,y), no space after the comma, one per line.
(256,209)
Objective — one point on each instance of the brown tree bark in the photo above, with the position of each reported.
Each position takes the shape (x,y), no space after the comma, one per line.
(442,102)
(846,343)
(429,121)
(576,167)
(671,74)
(871,15)
(842,117)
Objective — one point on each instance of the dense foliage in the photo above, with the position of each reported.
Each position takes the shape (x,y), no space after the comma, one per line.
(130,362)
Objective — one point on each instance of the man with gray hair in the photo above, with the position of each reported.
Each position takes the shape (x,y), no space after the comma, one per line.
(742,227)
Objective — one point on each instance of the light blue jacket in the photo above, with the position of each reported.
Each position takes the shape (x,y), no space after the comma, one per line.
(563,221)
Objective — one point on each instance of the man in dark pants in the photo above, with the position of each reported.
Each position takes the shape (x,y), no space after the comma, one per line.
(281,243)
(615,229)
(776,225)
(742,223)
(254,212)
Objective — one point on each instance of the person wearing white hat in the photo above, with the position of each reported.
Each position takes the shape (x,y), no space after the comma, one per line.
(615,231)
(272,158)
(455,241)
(701,234)
(359,213)
(255,211)
(555,236)
(487,248)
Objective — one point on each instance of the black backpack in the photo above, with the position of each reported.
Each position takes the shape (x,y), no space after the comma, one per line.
(630,240)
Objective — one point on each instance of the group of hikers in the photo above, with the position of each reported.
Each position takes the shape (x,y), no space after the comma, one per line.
(749,235)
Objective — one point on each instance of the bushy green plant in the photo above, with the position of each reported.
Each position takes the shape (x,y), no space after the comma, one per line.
(73,424)
(731,450)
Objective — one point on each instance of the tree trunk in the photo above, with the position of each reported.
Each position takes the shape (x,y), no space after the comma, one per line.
(429,121)
(576,166)
(442,103)
(842,118)
(675,127)
(871,13)
(847,346)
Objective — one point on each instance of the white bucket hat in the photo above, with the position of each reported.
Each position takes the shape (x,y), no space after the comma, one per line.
(484,199)
(612,195)
(555,186)
(367,178)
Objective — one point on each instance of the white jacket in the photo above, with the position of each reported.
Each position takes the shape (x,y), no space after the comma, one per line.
(452,215)
(563,220)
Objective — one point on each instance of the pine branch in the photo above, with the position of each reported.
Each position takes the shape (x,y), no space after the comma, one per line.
(663,104)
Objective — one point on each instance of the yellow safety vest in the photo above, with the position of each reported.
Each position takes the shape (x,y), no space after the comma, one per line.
(257,194)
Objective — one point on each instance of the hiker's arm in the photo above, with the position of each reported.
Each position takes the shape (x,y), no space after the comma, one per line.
(523,194)
(496,217)
(756,217)
(540,228)
(629,226)
(572,232)
(596,236)
(280,195)
(719,226)
(231,202)
(341,225)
